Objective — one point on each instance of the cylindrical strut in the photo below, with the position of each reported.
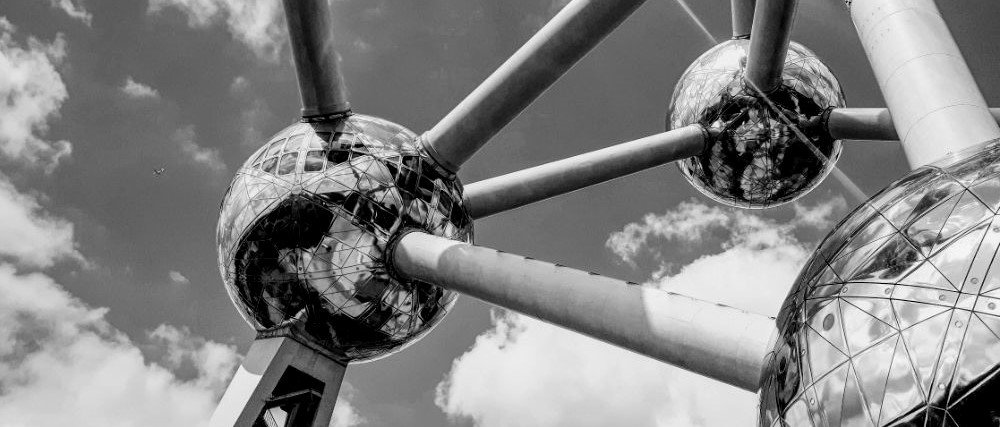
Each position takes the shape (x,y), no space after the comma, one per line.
(769,39)
(516,189)
(310,27)
(573,32)
(742,11)
(867,123)
(719,342)
(936,106)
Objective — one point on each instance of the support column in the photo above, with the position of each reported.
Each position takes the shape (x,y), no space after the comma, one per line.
(936,106)
(556,48)
(310,28)
(719,342)
(769,39)
(516,189)
(292,383)
(742,11)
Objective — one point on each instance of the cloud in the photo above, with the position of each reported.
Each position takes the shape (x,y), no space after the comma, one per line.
(528,373)
(177,277)
(34,92)
(239,84)
(62,363)
(256,24)
(206,157)
(74,9)
(344,413)
(32,237)
(138,90)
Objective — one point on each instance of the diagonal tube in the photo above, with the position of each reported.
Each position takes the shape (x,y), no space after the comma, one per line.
(873,124)
(719,342)
(563,41)
(937,108)
(321,86)
(769,38)
(516,189)
(742,11)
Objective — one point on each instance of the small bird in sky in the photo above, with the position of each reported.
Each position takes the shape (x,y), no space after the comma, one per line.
(159,171)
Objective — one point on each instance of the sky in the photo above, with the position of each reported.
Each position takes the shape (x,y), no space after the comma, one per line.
(112,311)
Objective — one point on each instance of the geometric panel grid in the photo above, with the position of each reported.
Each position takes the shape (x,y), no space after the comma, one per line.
(765,150)
(895,321)
(304,227)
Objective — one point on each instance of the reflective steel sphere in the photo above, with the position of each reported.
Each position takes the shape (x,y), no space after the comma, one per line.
(304,228)
(895,321)
(766,154)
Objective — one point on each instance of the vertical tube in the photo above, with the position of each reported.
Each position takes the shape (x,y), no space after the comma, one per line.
(742,17)
(310,27)
(936,106)
(716,341)
(516,189)
(559,45)
(769,38)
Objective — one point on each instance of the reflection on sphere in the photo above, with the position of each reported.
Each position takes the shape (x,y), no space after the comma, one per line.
(895,321)
(757,161)
(304,228)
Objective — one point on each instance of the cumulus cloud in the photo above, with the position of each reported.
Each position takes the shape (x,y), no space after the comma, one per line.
(177,277)
(74,9)
(31,236)
(138,90)
(553,377)
(34,92)
(206,157)
(344,413)
(62,363)
(257,24)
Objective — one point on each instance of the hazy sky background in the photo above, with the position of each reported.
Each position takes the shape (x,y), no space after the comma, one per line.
(112,311)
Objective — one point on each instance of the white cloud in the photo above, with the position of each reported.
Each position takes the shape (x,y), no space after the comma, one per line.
(257,24)
(528,373)
(62,363)
(32,237)
(177,277)
(138,90)
(74,9)
(239,84)
(206,157)
(688,223)
(345,414)
(33,91)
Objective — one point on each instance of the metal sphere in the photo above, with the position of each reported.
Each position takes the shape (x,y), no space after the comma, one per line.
(765,153)
(304,228)
(895,321)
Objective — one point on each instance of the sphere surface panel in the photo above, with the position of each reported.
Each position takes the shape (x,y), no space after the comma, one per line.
(768,151)
(895,321)
(304,227)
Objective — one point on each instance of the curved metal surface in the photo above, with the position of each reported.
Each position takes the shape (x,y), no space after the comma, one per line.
(767,153)
(895,321)
(305,223)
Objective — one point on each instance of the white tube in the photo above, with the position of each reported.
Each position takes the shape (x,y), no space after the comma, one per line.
(719,342)
(936,106)
(516,189)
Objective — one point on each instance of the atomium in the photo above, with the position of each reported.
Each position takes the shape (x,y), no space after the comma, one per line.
(896,318)
(765,154)
(305,223)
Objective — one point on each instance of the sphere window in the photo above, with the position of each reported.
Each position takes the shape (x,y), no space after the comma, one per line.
(269,164)
(314,161)
(275,148)
(287,165)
